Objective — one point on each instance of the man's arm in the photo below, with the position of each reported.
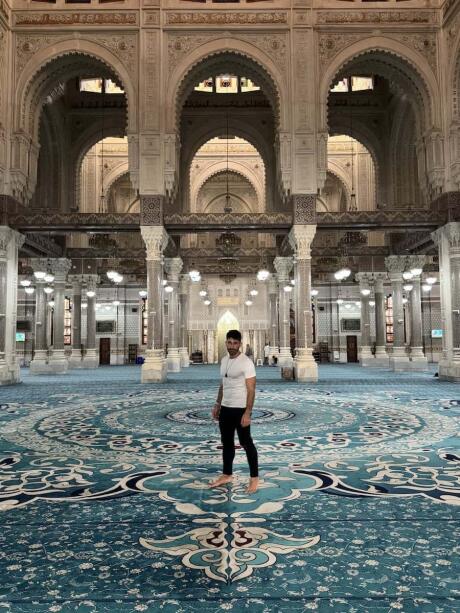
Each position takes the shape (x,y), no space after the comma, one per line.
(250,397)
(216,408)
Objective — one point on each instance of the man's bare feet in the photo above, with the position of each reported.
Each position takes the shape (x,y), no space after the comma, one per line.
(253,485)
(222,480)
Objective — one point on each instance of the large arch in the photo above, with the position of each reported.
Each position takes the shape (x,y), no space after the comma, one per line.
(233,166)
(404,63)
(227,55)
(65,60)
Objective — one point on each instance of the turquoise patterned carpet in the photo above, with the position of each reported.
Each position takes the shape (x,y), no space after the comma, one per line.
(105,506)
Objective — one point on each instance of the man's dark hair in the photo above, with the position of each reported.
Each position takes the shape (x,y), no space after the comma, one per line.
(235,334)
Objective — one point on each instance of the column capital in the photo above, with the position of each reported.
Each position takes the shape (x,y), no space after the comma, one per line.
(60,268)
(184,284)
(379,279)
(301,238)
(91,281)
(155,238)
(76,281)
(396,265)
(416,261)
(364,278)
(173,267)
(283,266)
(451,231)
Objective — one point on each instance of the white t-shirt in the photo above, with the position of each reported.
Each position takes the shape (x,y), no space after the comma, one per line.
(234,384)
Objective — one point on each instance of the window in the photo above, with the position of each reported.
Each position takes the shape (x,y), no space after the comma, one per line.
(389,319)
(100,86)
(353,84)
(67,322)
(227,84)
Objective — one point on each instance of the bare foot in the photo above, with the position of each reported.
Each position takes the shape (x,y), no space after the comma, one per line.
(253,485)
(222,480)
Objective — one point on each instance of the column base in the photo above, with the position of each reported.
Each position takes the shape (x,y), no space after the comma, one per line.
(449,370)
(305,367)
(399,360)
(274,353)
(57,363)
(366,358)
(91,359)
(184,357)
(418,359)
(381,361)
(9,374)
(76,359)
(155,368)
(39,365)
(285,357)
(173,360)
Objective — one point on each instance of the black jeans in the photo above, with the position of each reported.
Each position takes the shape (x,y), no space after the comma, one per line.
(229,421)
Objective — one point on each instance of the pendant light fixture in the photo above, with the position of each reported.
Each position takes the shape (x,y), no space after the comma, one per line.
(228,207)
(353,204)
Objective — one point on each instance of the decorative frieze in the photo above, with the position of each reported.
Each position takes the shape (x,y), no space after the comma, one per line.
(206,18)
(106,18)
(376,17)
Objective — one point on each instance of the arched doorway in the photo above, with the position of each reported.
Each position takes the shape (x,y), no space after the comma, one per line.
(227,322)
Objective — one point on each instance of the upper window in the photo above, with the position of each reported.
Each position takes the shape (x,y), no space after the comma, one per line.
(100,86)
(227,84)
(354,84)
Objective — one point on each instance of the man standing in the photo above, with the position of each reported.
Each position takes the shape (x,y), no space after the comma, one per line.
(233,409)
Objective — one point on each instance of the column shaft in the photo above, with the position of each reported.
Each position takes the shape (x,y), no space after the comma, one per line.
(283,266)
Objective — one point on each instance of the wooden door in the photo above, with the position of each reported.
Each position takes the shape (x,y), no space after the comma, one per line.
(104,351)
(352,348)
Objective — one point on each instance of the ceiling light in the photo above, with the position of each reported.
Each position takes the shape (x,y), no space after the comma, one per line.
(416,271)
(202,293)
(405,300)
(49,278)
(118,279)
(287,288)
(339,301)
(371,303)
(29,290)
(407,276)
(48,290)
(365,291)
(51,303)
(111,274)
(143,293)
(25,282)
(253,292)
(39,274)
(107,307)
(292,281)
(348,306)
(207,302)
(194,275)
(164,282)
(426,287)
(408,287)
(431,280)
(248,302)
(169,289)
(116,302)
(263,274)
(314,292)
(90,293)
(97,306)
(358,303)
(84,305)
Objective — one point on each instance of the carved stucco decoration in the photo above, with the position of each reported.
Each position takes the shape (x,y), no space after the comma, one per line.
(123,45)
(377,17)
(273,45)
(331,43)
(74,19)
(151,210)
(226,18)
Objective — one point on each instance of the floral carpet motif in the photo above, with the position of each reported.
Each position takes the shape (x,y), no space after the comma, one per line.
(105,502)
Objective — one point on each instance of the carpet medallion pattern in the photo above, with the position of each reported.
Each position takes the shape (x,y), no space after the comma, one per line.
(105,504)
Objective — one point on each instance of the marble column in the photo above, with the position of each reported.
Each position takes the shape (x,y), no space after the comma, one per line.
(184,288)
(91,357)
(57,360)
(301,237)
(418,359)
(283,266)
(273,313)
(154,369)
(396,265)
(173,267)
(76,359)
(381,356)
(39,362)
(447,239)
(10,242)
(366,358)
